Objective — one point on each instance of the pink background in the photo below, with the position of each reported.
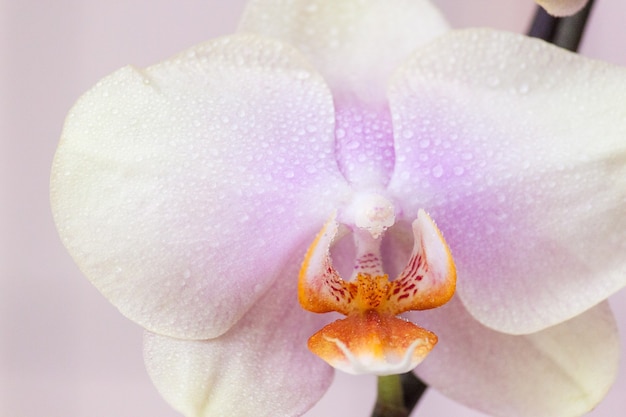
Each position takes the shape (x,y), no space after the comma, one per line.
(64,350)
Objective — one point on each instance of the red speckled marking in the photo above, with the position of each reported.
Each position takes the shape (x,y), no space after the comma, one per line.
(428,281)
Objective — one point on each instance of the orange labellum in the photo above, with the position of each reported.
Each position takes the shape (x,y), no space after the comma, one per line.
(371,339)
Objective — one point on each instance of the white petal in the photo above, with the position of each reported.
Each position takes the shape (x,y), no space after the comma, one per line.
(562,7)
(355,44)
(260,367)
(563,371)
(171,184)
(517,149)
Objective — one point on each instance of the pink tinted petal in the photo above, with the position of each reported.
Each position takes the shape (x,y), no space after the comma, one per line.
(563,371)
(355,44)
(517,150)
(171,184)
(364,143)
(260,367)
(562,7)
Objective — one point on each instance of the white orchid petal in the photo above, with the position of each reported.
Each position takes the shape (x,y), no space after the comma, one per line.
(260,367)
(517,149)
(355,44)
(563,371)
(562,7)
(180,188)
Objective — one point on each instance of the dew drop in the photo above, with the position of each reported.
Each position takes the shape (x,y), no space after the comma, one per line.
(353,144)
(437,171)
(407,134)
(303,75)
(493,81)
(524,88)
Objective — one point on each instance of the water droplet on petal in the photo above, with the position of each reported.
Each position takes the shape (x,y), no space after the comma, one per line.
(353,144)
(524,88)
(437,171)
(493,81)
(303,75)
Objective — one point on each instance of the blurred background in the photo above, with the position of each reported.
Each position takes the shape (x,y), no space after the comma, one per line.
(64,350)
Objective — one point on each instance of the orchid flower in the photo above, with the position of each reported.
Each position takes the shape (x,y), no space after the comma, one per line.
(326,149)
(562,7)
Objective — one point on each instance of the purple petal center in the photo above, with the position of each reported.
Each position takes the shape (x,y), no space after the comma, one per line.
(364,143)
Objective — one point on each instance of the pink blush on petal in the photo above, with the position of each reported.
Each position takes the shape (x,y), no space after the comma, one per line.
(364,143)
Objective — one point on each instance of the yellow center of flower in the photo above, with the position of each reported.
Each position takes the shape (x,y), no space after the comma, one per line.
(371,339)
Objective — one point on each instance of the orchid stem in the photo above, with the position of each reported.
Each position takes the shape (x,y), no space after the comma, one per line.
(570,30)
(413,389)
(398,395)
(566,32)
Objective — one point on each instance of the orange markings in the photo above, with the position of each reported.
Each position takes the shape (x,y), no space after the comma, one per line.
(371,339)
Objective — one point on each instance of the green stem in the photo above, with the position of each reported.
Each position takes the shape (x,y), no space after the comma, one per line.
(398,395)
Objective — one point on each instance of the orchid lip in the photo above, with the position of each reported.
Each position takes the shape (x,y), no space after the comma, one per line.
(371,339)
